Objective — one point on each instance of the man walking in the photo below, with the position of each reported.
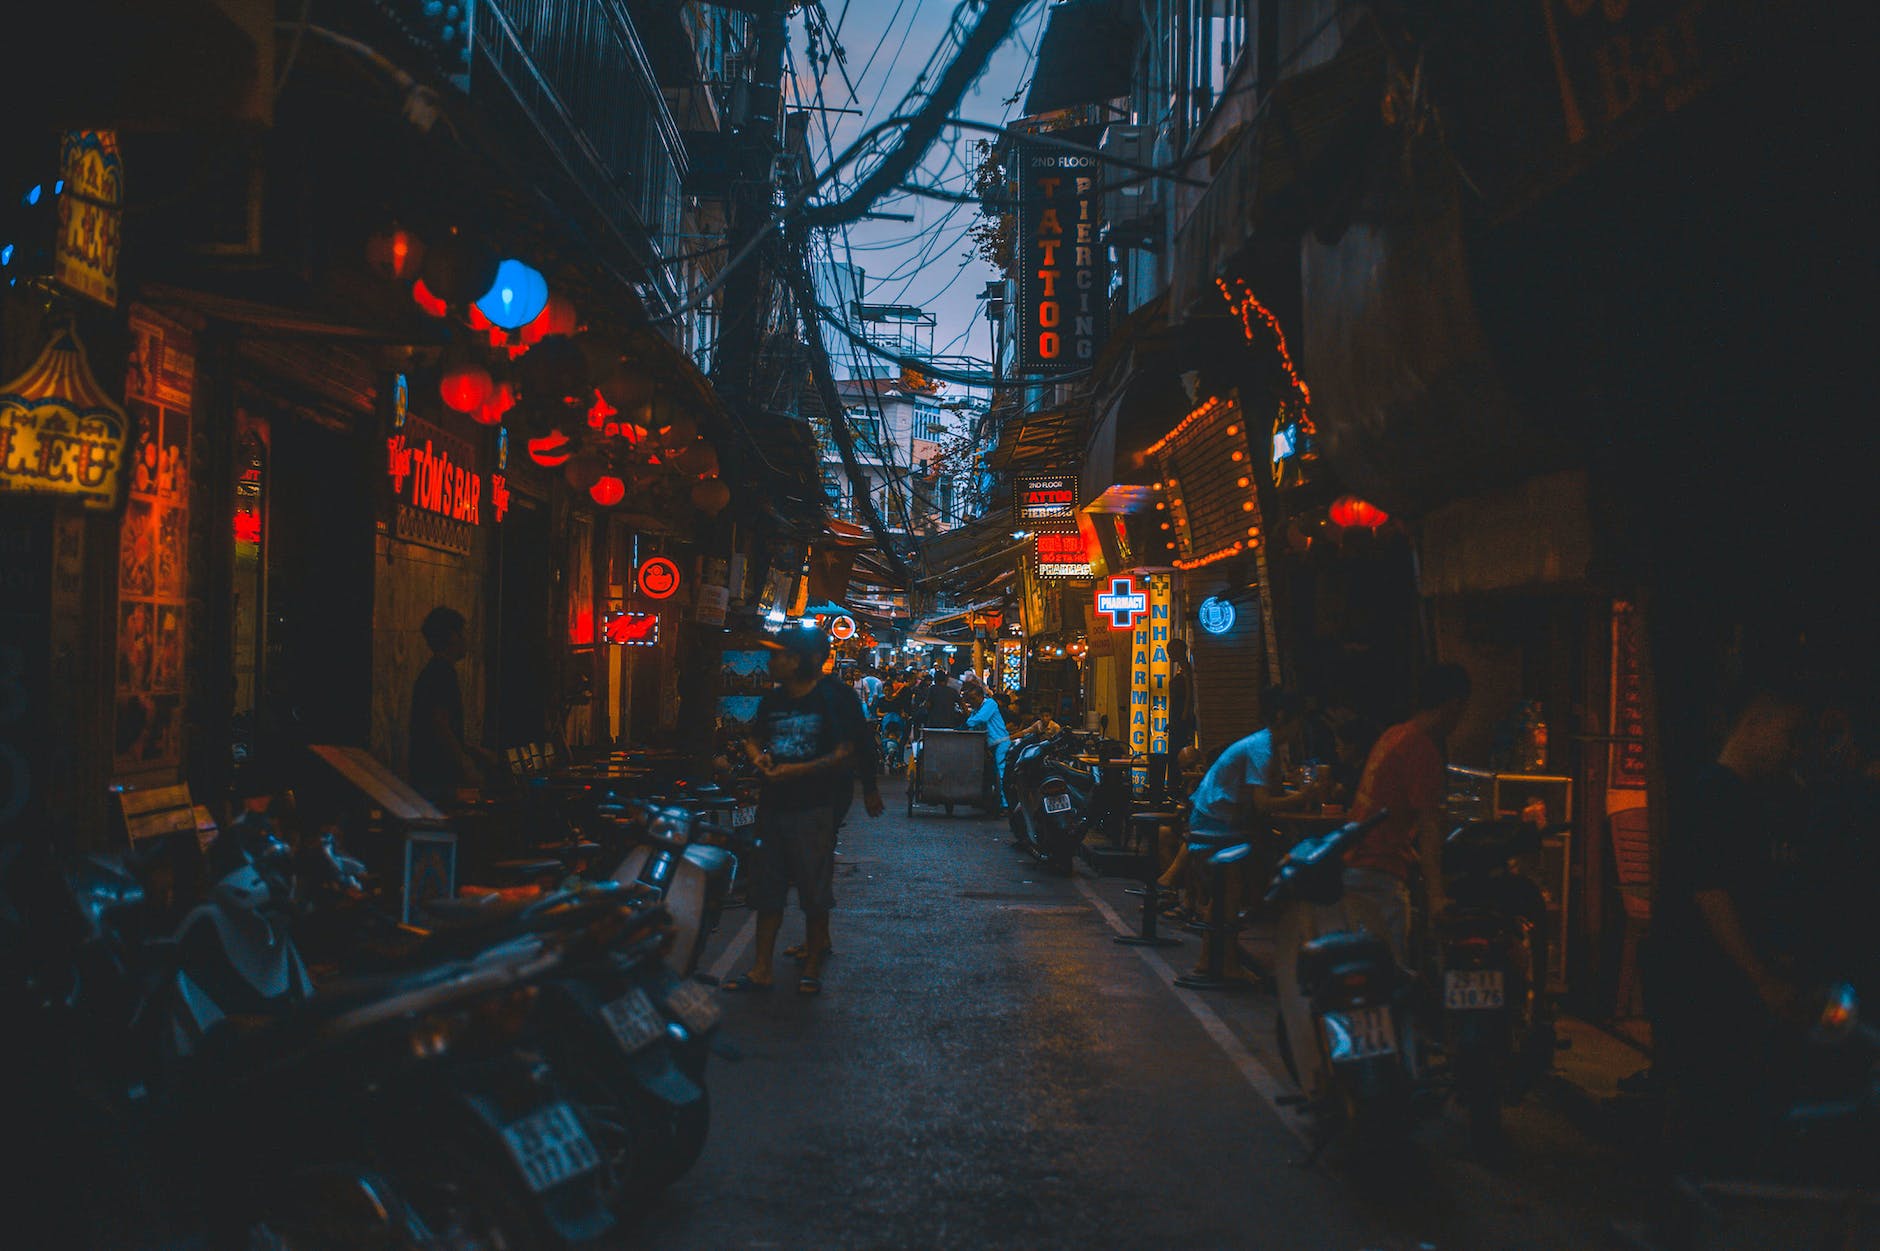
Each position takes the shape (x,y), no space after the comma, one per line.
(803,742)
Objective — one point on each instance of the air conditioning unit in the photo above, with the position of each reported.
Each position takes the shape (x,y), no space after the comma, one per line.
(1134,209)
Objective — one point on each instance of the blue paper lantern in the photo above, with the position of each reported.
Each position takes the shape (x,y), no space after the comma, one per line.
(516,298)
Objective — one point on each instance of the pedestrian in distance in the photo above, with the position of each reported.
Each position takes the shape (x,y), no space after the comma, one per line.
(803,744)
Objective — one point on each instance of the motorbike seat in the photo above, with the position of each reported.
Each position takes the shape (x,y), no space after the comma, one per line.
(715,861)
(1324,956)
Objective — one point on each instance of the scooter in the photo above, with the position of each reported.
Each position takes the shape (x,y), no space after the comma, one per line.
(1048,798)
(389,1113)
(1490,942)
(1359,998)
(627,1036)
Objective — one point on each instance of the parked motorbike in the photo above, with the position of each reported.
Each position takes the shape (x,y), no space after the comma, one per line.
(1048,799)
(1359,997)
(626,1035)
(1491,950)
(394,1113)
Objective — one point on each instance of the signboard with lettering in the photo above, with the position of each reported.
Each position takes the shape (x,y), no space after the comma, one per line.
(437,491)
(91,207)
(1627,771)
(1062,556)
(1046,501)
(60,434)
(1121,604)
(1150,669)
(1063,272)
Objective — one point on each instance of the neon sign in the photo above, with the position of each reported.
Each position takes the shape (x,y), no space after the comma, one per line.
(1047,497)
(1150,671)
(1122,603)
(1062,556)
(658,578)
(1063,274)
(439,496)
(1216,615)
(631,629)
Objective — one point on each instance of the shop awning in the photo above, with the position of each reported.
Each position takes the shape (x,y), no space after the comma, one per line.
(1283,169)
(1050,439)
(1087,54)
(952,627)
(971,557)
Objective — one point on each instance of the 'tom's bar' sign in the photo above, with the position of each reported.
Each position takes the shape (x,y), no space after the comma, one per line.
(438,492)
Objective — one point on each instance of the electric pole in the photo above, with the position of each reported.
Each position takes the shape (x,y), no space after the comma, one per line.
(746,300)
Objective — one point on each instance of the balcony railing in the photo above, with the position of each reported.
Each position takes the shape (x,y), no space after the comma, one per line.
(578,71)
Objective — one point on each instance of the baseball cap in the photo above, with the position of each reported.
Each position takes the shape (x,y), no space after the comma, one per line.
(804,640)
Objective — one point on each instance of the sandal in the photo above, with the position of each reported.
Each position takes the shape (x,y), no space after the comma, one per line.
(743,985)
(800,952)
(809,985)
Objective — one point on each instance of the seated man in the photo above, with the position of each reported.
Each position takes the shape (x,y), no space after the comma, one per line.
(1235,799)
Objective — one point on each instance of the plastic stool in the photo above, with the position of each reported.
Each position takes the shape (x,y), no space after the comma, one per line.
(1219,929)
(1148,822)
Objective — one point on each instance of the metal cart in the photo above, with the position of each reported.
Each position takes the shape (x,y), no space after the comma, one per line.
(949,768)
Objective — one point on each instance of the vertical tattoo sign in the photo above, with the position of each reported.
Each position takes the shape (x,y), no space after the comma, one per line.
(1063,272)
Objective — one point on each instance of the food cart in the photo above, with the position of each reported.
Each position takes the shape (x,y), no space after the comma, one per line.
(949,768)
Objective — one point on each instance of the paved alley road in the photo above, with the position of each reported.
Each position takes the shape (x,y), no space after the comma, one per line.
(985,1068)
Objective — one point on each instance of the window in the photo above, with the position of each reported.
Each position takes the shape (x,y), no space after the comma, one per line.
(946,500)
(927,423)
(1215,38)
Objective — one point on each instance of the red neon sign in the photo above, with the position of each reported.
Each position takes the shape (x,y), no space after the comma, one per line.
(659,578)
(631,629)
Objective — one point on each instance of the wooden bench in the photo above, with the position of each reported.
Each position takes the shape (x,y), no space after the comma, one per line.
(169,831)
(1632,857)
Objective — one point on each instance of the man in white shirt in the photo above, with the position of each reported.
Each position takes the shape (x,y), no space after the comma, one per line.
(1237,795)
(983,714)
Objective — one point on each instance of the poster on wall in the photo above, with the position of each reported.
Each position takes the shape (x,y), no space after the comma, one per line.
(153,548)
(743,678)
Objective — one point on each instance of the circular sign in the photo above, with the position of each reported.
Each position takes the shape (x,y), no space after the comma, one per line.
(659,578)
(842,627)
(1216,615)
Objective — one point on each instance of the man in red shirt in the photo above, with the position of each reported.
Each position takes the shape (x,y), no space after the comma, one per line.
(1404,773)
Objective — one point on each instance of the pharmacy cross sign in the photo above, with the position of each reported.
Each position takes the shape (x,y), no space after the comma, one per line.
(1122,604)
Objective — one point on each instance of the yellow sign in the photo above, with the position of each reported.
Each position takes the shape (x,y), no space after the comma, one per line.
(60,434)
(90,211)
(1149,670)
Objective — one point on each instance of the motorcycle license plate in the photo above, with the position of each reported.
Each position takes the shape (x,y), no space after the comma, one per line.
(743,814)
(1359,1034)
(1472,988)
(635,1022)
(550,1147)
(694,1006)
(1057,803)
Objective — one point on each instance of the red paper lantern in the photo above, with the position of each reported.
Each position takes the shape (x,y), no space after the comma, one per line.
(395,253)
(607,491)
(427,301)
(458,269)
(584,471)
(465,386)
(501,400)
(626,388)
(1349,511)
(700,460)
(556,317)
(552,450)
(711,496)
(680,433)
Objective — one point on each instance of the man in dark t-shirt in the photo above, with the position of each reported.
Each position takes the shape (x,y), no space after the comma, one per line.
(803,741)
(1729,899)
(440,761)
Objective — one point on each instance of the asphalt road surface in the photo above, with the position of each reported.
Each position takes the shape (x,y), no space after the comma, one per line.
(985,1068)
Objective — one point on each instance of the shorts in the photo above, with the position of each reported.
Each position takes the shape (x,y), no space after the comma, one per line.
(794,848)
